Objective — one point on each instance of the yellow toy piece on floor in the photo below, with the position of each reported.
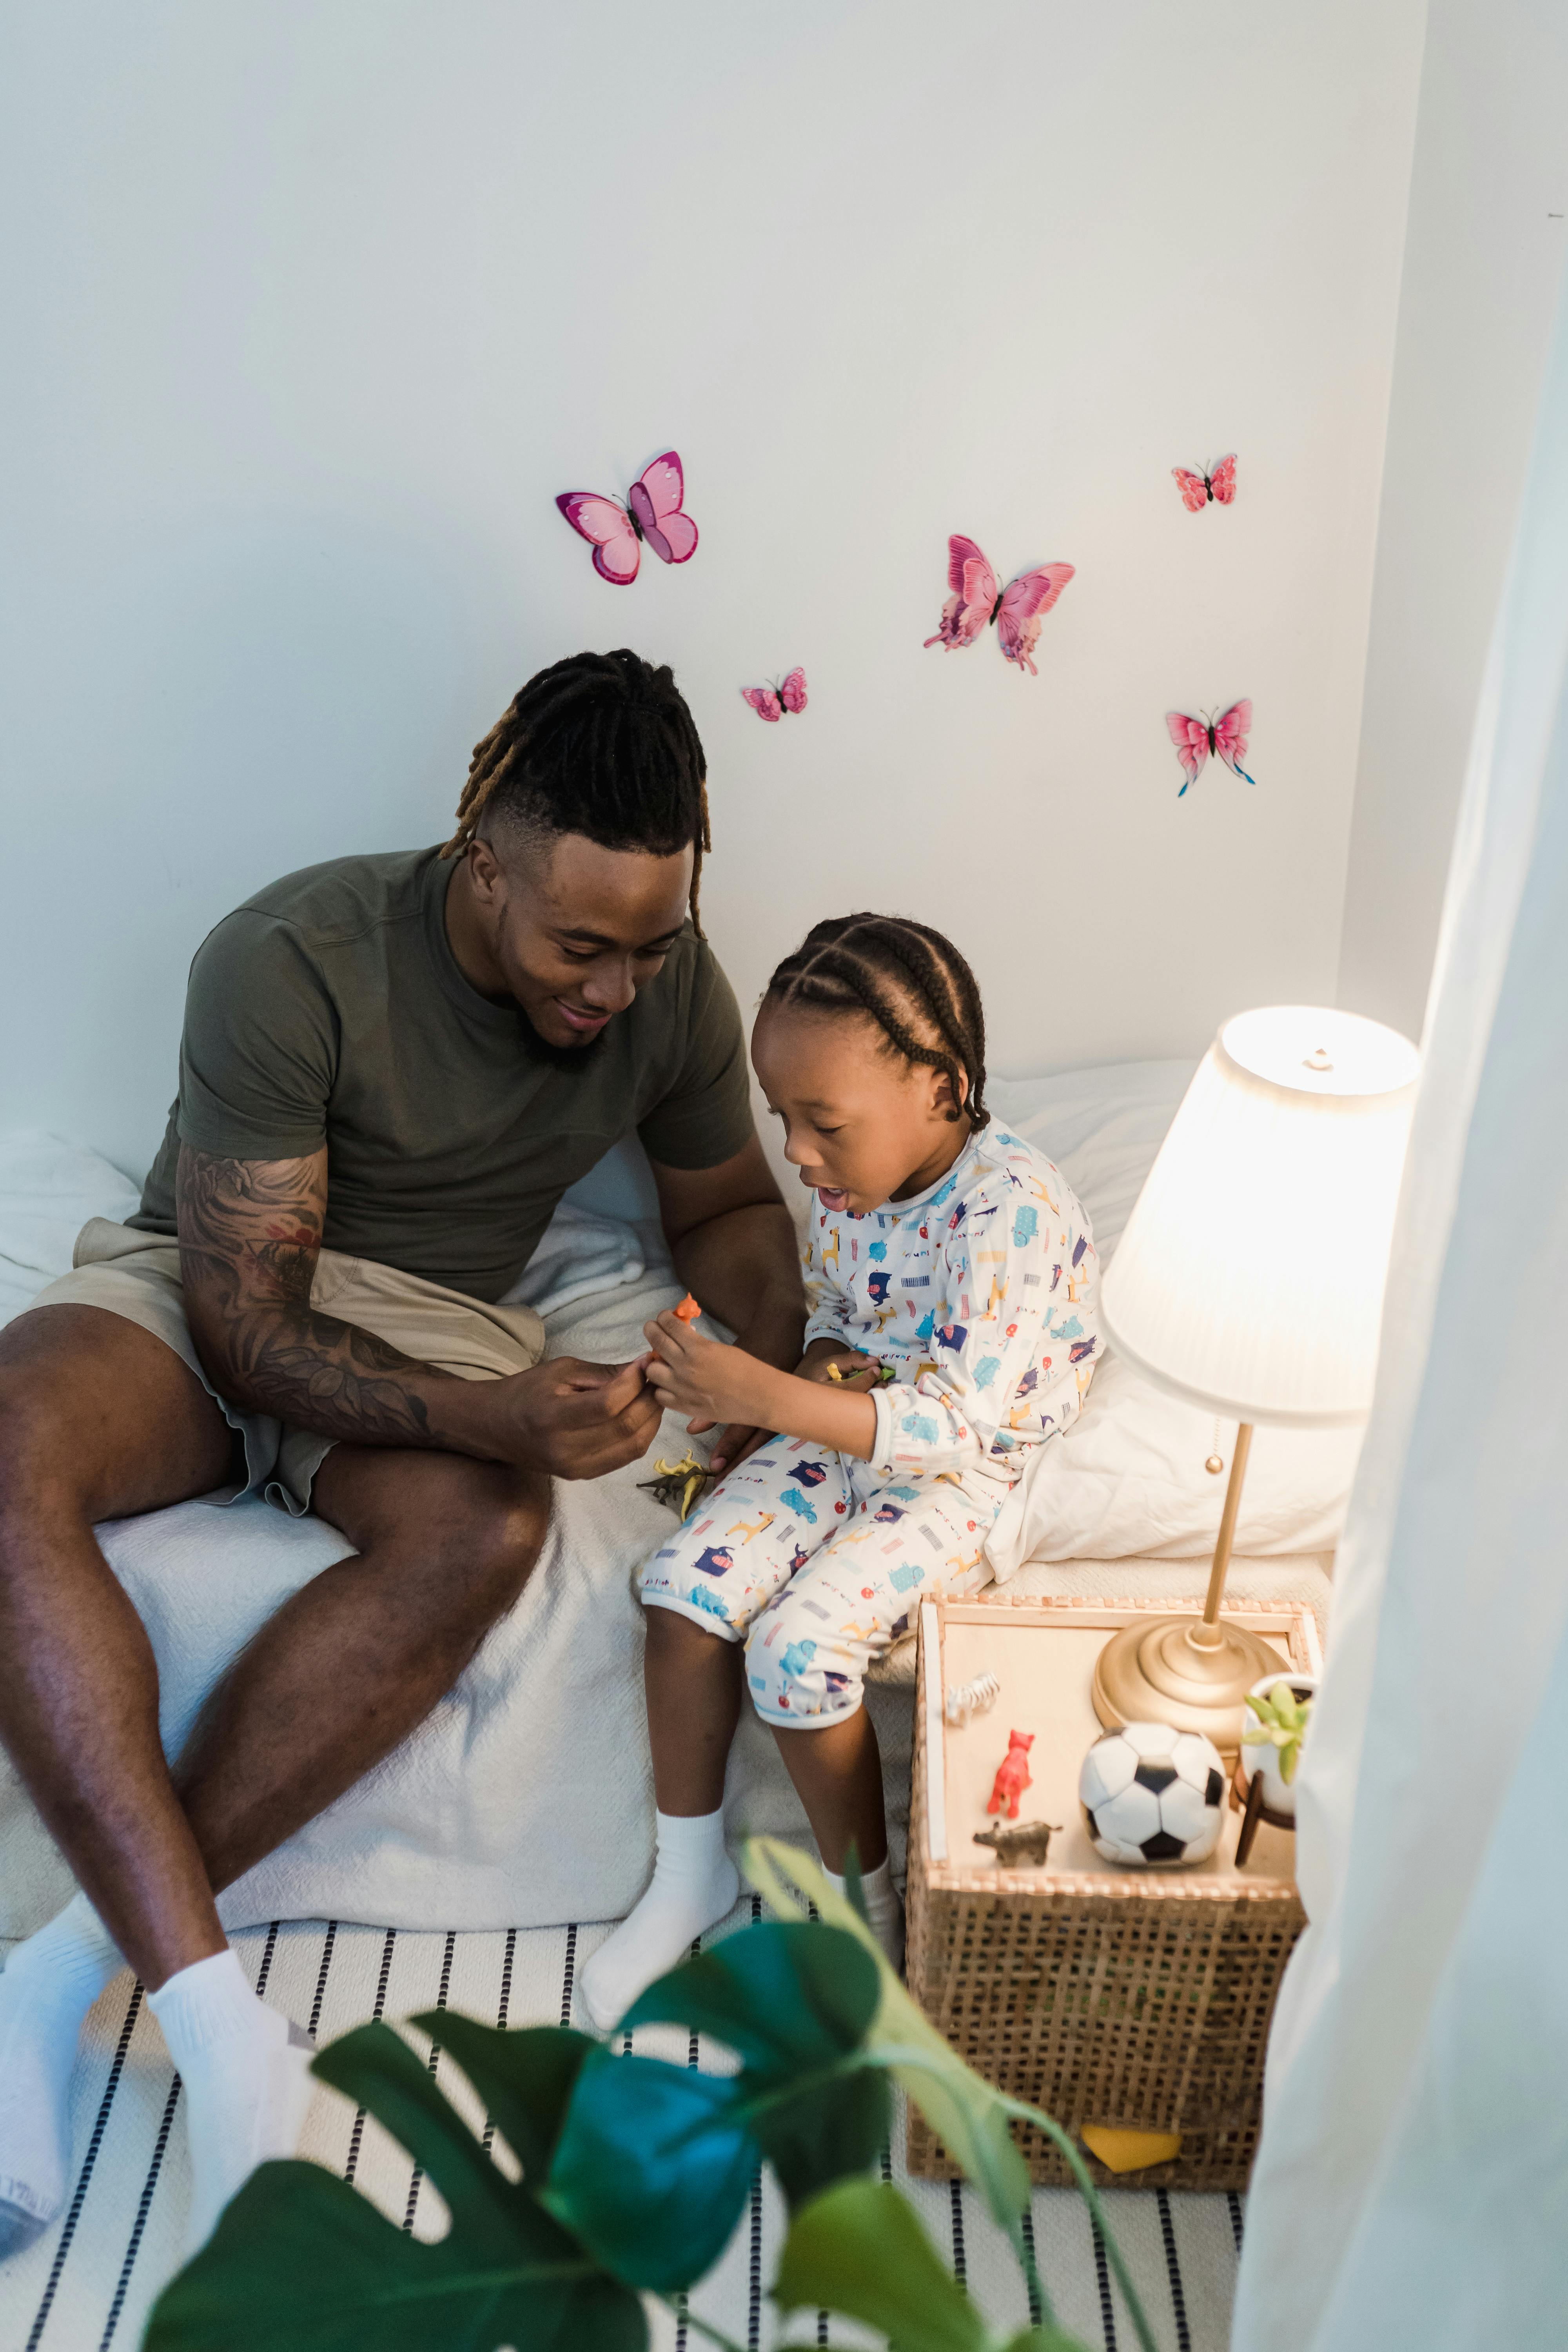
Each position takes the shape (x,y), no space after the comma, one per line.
(1129,2151)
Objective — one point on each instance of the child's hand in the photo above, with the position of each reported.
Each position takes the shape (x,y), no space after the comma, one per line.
(703,1378)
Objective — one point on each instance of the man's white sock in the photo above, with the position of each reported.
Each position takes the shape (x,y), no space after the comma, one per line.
(884,1911)
(247,2080)
(694,1883)
(48,1985)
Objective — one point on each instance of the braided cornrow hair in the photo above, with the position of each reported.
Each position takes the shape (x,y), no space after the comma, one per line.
(601,744)
(885,965)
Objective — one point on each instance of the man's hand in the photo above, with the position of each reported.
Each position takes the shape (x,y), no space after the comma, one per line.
(573,1419)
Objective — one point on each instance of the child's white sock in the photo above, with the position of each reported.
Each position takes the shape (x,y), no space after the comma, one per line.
(247,2080)
(884,1911)
(48,1985)
(694,1883)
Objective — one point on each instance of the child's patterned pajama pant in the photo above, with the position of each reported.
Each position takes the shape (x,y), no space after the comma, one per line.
(817,1565)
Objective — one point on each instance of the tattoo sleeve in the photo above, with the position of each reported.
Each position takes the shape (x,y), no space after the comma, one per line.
(250,1235)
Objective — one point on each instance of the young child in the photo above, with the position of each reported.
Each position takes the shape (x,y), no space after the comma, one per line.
(951,1284)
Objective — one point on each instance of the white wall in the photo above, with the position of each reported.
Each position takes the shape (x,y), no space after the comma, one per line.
(1483,261)
(310,310)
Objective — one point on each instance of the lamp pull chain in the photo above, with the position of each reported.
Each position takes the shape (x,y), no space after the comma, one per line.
(1215,1462)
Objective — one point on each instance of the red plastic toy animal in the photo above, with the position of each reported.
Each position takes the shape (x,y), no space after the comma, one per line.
(1012,1775)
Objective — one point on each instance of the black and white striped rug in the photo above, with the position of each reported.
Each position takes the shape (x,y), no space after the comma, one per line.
(86,2285)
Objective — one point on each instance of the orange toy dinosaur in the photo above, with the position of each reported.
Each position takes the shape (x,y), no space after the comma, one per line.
(1012,1775)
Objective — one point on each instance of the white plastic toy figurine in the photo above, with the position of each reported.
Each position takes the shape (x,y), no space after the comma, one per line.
(973,1697)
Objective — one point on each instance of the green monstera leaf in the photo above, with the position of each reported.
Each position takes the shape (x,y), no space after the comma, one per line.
(653,2168)
(794,2003)
(859,2249)
(655,2162)
(301,2262)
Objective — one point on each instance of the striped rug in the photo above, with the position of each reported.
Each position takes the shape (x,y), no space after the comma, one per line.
(86,2286)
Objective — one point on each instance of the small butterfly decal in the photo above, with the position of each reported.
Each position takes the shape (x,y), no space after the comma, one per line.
(1017,610)
(1198,490)
(655,504)
(1226,737)
(771,702)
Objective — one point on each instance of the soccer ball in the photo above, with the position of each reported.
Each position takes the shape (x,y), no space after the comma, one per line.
(1152,1794)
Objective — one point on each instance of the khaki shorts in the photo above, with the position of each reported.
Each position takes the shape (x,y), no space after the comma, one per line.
(138,1276)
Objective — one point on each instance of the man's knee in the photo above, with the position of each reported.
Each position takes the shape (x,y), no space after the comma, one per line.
(499,1539)
(36,1464)
(101,1420)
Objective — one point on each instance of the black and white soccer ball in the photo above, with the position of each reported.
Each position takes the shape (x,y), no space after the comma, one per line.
(1153,1795)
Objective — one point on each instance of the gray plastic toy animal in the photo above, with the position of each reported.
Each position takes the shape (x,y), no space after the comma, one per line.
(1019,1845)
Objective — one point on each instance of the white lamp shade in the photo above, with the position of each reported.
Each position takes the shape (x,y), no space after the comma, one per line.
(1249,1279)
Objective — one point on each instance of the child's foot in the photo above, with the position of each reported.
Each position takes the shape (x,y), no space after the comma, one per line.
(48,1985)
(694,1883)
(246,2072)
(884,1911)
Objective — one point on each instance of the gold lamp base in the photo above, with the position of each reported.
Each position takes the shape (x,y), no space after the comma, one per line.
(1191,1672)
(1163,1672)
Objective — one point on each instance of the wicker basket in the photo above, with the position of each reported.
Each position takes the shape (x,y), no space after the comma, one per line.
(1140,2001)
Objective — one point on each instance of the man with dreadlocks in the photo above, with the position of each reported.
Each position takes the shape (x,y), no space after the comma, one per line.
(392,1067)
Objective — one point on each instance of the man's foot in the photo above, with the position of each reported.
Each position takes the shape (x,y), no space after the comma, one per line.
(48,1985)
(246,2072)
(694,1883)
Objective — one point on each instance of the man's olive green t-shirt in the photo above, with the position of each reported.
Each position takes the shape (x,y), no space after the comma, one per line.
(330,1009)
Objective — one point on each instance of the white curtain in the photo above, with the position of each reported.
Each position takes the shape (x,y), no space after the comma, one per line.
(1412,2186)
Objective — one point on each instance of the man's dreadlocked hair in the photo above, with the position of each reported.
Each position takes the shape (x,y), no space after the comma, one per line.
(601,744)
(885,966)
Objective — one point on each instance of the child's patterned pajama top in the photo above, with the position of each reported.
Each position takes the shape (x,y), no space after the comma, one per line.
(982,1298)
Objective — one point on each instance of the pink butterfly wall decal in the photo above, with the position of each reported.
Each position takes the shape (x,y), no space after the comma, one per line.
(771,702)
(1226,737)
(1017,610)
(652,511)
(1198,490)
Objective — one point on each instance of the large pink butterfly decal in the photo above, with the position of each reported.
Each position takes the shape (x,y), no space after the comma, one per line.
(1017,609)
(771,702)
(655,514)
(1226,737)
(1197,489)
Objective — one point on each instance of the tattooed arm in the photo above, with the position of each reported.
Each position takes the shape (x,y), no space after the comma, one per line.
(250,1234)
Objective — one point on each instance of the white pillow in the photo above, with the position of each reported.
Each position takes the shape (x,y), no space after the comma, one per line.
(1101,1126)
(1128,1478)
(49,1187)
(1126,1481)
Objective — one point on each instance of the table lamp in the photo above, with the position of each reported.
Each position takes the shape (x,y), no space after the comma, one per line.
(1249,1282)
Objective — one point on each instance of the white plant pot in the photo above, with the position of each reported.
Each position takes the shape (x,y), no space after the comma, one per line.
(1278,1795)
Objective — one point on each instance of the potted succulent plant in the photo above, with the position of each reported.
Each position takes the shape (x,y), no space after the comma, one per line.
(1281,1706)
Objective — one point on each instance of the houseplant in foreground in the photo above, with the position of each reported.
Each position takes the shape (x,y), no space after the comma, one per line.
(634,2171)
